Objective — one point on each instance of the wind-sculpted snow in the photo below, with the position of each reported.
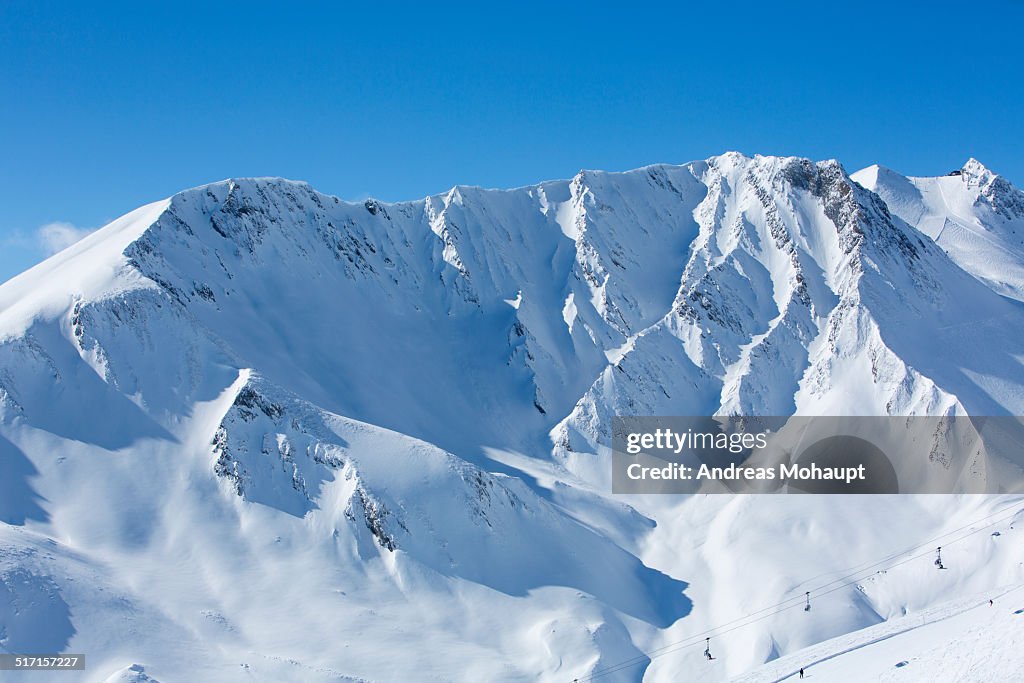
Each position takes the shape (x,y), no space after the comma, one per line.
(33,614)
(295,435)
(974,215)
(802,293)
(439,269)
(404,495)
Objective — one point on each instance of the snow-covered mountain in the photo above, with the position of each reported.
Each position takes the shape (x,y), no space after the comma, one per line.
(975,215)
(253,432)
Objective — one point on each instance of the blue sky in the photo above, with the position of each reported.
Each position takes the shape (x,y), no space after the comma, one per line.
(106,106)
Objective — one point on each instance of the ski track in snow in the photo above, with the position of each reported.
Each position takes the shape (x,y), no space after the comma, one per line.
(907,633)
(253,432)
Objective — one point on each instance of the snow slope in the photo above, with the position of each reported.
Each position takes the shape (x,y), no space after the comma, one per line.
(966,639)
(253,432)
(975,215)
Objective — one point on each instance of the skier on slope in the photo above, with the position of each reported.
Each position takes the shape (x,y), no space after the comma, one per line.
(801,672)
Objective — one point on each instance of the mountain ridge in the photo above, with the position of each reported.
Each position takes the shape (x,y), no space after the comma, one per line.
(401,410)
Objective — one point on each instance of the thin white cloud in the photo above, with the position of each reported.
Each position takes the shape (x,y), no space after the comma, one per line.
(58,236)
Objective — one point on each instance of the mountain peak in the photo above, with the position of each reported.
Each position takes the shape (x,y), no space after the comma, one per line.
(973,172)
(995,190)
(252,367)
(243,182)
(870,176)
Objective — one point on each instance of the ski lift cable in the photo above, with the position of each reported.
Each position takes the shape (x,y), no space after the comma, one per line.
(753,621)
(721,630)
(936,539)
(797,600)
(857,569)
(777,608)
(1002,515)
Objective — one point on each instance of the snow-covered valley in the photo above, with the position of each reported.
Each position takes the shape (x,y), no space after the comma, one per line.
(253,432)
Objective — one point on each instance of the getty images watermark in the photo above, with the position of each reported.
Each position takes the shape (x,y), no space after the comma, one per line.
(817,454)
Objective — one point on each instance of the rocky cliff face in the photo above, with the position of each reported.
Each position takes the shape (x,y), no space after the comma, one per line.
(372,404)
(973,214)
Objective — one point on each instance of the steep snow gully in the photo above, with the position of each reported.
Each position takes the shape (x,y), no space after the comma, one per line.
(253,432)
